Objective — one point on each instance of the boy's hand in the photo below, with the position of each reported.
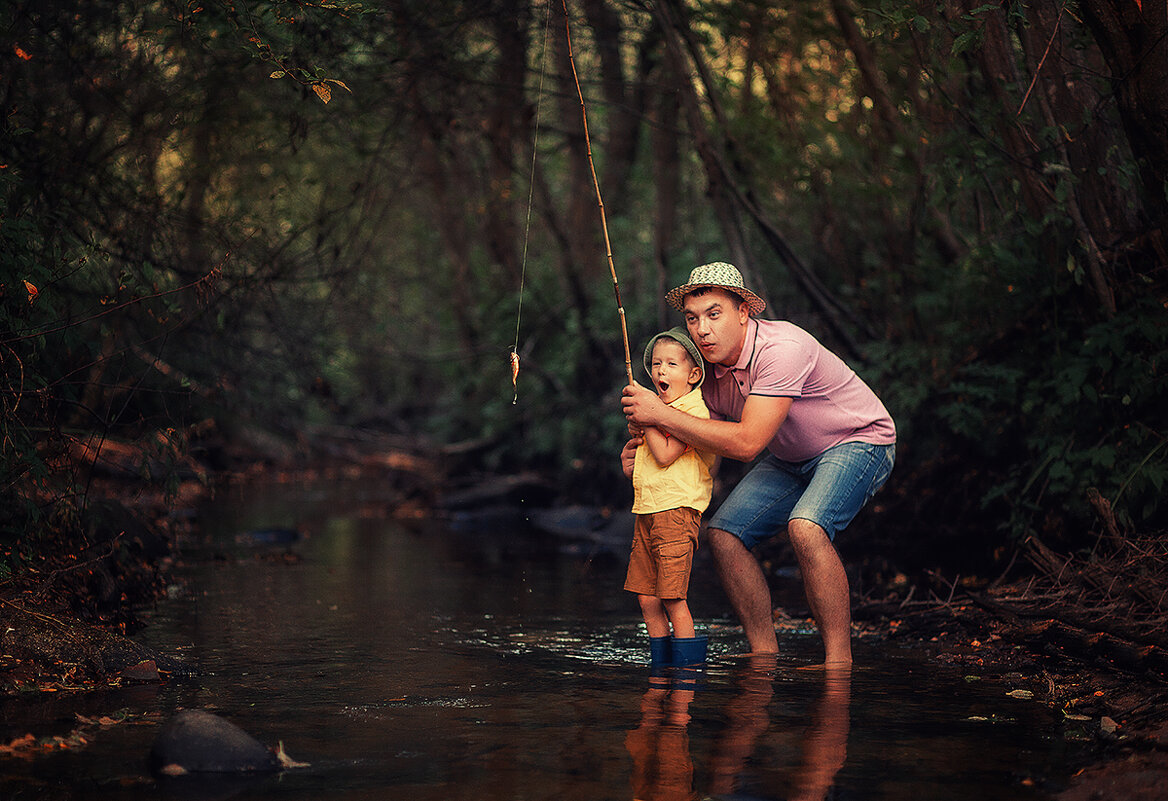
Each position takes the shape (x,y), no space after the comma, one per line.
(640,405)
(629,455)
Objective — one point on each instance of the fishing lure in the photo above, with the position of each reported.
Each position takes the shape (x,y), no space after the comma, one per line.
(515,376)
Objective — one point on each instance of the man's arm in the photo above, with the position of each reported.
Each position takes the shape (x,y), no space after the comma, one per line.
(741,440)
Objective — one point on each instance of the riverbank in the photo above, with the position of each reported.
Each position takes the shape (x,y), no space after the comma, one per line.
(1112,694)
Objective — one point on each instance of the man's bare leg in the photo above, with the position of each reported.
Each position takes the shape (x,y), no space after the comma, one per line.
(826,585)
(746,587)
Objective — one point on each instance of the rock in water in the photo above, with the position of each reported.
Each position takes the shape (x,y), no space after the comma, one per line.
(194,741)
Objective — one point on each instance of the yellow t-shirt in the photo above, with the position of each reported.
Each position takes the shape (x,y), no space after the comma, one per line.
(686,482)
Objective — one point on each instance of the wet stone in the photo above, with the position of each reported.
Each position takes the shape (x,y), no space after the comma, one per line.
(195,741)
(144,671)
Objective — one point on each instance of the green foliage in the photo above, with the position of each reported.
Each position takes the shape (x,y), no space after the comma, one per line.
(1096,417)
(218,243)
(1056,414)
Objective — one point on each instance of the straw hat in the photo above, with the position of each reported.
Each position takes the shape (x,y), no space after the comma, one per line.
(681,336)
(718,274)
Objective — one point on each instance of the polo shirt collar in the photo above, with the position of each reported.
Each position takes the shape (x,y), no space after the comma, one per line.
(747,350)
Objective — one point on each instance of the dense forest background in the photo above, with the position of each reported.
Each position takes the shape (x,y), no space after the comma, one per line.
(252,221)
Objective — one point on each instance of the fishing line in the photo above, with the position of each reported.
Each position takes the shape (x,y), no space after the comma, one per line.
(530,203)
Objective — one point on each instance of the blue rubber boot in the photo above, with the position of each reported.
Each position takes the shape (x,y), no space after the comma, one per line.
(659,650)
(660,655)
(689,661)
(689,651)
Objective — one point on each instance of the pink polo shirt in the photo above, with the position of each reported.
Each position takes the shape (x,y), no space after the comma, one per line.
(832,404)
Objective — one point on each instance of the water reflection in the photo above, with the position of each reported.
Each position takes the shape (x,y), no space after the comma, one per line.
(747,718)
(825,746)
(663,768)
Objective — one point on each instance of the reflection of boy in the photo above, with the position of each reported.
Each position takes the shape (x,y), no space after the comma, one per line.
(662,766)
(671,488)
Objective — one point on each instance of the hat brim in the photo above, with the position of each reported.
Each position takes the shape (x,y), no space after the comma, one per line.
(676,297)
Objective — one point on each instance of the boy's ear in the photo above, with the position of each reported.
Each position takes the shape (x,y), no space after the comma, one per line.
(695,375)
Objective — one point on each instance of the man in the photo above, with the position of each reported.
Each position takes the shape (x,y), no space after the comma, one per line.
(830,443)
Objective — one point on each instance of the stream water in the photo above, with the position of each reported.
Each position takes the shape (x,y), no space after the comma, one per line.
(411,660)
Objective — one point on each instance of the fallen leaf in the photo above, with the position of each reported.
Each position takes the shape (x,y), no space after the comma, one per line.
(286,761)
(27,741)
(1107,725)
(1020,694)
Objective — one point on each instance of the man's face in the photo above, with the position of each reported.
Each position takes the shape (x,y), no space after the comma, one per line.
(716,320)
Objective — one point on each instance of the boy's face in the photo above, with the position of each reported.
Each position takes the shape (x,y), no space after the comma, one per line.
(674,372)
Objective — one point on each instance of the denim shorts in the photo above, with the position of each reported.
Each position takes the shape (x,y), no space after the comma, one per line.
(828,490)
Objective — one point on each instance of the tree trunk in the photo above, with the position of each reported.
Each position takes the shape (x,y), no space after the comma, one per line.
(995,60)
(582,228)
(731,192)
(622,119)
(507,120)
(1134,39)
(1046,94)
(666,182)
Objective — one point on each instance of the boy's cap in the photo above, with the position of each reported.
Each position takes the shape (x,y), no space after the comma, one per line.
(681,336)
(718,275)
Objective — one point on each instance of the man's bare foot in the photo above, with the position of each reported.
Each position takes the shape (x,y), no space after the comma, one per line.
(829,667)
(752,654)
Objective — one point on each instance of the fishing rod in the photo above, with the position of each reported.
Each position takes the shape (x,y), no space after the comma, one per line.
(514,356)
(599,199)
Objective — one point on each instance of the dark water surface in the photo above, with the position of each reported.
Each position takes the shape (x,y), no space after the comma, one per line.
(408,660)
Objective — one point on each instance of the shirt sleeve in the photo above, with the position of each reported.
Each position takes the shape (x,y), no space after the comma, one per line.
(782,367)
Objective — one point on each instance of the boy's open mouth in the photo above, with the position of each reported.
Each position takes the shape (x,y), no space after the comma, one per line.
(663,386)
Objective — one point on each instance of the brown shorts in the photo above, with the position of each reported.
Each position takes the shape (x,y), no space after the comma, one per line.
(662,554)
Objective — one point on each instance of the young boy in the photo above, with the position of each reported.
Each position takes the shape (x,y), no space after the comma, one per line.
(671,488)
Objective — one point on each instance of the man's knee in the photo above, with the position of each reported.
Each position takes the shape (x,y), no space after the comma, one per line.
(722,542)
(806,534)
